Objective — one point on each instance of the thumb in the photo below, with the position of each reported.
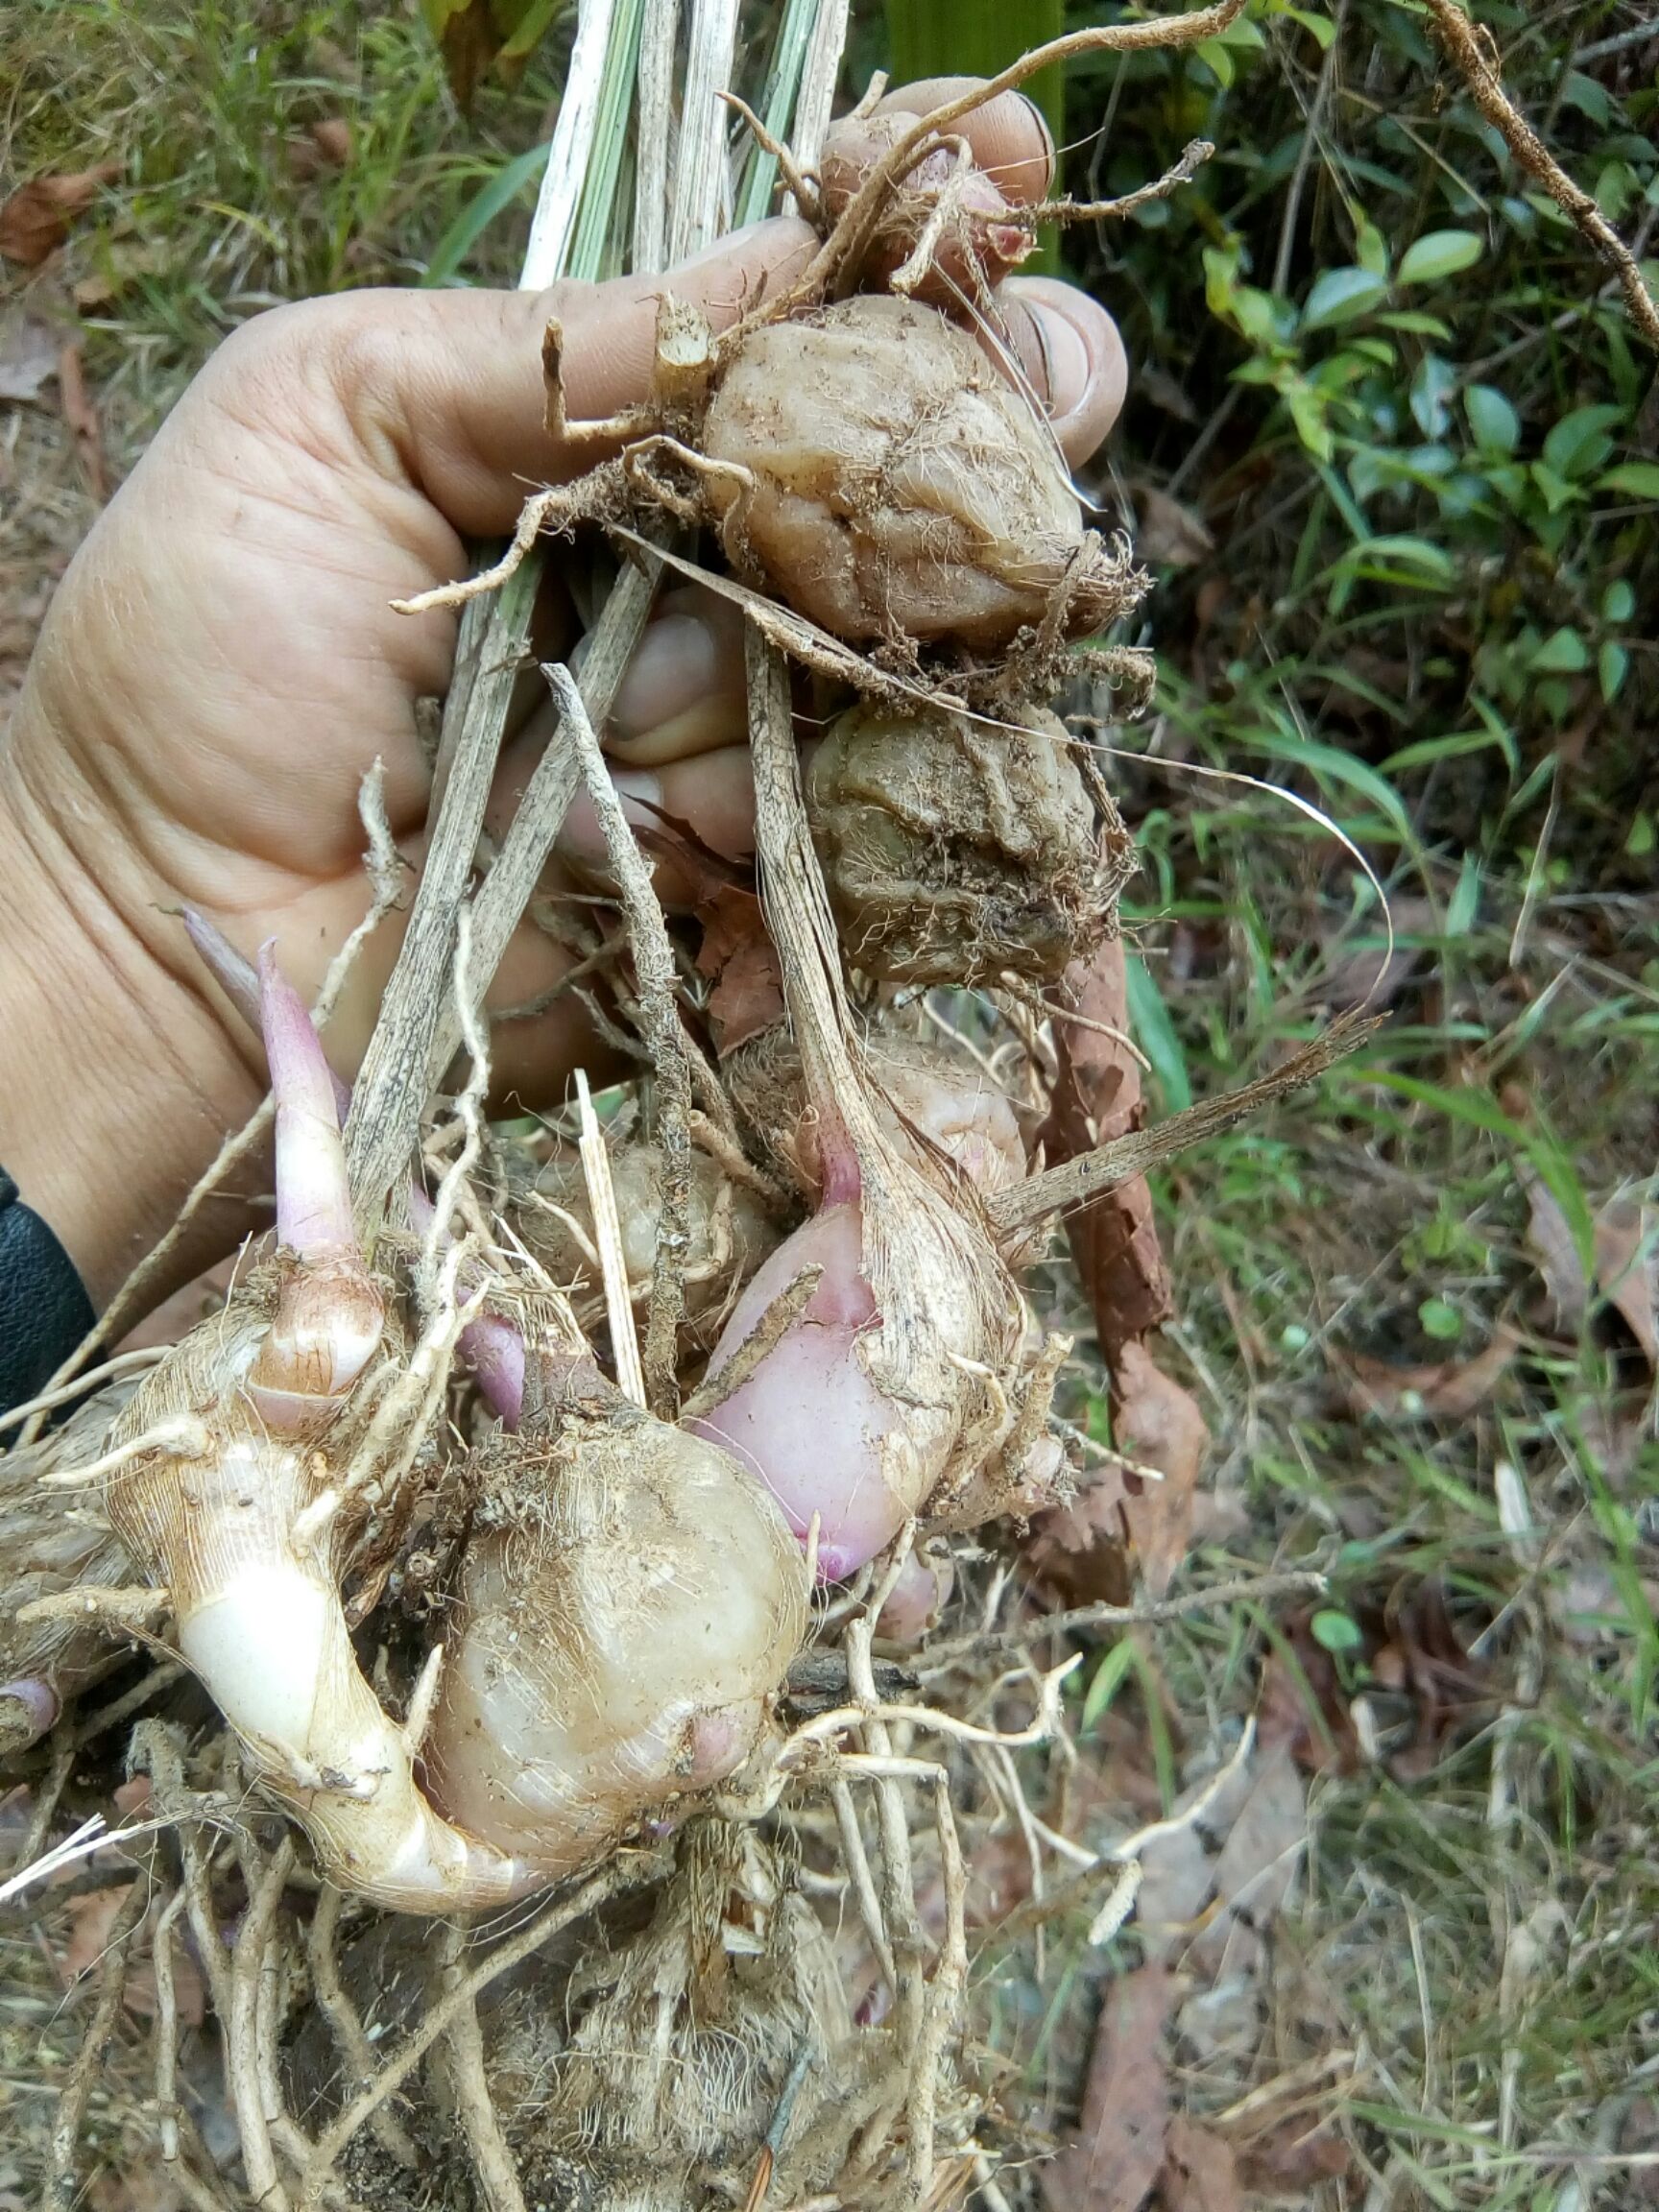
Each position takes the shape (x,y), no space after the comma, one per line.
(445,388)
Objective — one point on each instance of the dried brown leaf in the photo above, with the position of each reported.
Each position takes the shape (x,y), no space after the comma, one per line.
(1627,1268)
(1440,1390)
(1200,2172)
(1096,1097)
(1158,1424)
(28,355)
(1373,973)
(1258,1861)
(1169,533)
(1112,2162)
(1556,1252)
(35,221)
(81,418)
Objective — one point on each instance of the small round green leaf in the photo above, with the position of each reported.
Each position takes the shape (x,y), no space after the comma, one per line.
(1441,1319)
(1339,295)
(1440,253)
(1336,1631)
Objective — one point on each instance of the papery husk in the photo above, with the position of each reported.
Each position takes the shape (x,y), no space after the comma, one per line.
(937,1105)
(946,1339)
(53,1540)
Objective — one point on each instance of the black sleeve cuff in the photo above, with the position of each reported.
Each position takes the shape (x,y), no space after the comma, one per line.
(44,1310)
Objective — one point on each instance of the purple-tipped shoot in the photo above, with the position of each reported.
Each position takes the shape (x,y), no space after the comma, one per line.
(239,980)
(313,1194)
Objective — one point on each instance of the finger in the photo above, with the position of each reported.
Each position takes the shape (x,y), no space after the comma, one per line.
(1008,137)
(683,694)
(444,389)
(713,796)
(1069,352)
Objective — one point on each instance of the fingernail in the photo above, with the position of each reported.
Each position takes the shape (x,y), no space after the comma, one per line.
(674,666)
(1066,356)
(1042,122)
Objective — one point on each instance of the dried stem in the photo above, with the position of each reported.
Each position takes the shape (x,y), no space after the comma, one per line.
(1472,48)
(242,2028)
(1081,1619)
(608,1237)
(166,2026)
(1143,1149)
(657,980)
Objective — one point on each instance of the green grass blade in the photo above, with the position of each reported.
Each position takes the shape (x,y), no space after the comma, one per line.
(497,194)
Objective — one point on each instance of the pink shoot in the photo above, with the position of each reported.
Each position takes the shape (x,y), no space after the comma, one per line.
(313,1195)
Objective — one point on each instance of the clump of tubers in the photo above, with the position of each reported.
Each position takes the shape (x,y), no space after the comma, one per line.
(956,851)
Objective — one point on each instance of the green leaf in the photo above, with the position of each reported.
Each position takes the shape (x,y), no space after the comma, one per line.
(1339,295)
(1370,246)
(1612,666)
(1465,900)
(1215,58)
(1306,406)
(1440,253)
(1557,491)
(1108,1679)
(1155,1033)
(1617,601)
(1494,424)
(1336,1631)
(480,211)
(1416,325)
(1319,28)
(1380,556)
(1637,479)
(1330,766)
(1440,1320)
(1579,443)
(1563,653)
(1587,95)
(1432,390)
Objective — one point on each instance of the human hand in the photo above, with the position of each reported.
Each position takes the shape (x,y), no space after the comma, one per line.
(221,667)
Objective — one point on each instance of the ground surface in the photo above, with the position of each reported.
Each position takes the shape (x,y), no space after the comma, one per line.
(1400,496)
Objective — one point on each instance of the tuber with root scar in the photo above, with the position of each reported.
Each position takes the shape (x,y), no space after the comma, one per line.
(629,1602)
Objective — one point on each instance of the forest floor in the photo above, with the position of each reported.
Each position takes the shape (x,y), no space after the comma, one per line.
(1416,1303)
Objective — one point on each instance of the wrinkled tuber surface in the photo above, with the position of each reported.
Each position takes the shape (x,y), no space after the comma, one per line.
(883,477)
(630,1601)
(923,1090)
(955,851)
(729,1231)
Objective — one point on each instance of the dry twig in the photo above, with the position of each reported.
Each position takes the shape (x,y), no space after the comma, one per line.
(1472,49)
